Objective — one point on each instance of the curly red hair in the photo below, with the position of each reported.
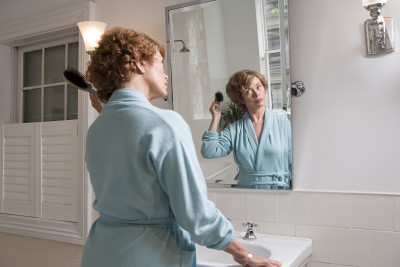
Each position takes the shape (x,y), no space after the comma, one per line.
(116,57)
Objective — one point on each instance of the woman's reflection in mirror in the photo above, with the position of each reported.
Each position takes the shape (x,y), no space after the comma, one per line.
(261,141)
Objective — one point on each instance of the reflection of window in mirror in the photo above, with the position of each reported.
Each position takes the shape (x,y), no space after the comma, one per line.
(275,21)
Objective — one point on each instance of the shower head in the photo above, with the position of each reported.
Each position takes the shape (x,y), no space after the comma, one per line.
(184,48)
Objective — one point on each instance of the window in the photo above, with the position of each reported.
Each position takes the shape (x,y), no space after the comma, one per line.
(44,187)
(45,94)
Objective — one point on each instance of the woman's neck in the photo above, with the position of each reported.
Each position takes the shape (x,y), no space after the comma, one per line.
(257,115)
(137,83)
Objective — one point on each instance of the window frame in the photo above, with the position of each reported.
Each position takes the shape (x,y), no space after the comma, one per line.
(20,88)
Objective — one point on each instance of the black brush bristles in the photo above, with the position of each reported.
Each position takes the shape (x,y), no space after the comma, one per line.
(77,79)
(219,96)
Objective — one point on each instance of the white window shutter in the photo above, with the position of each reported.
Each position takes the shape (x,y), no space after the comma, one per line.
(59,171)
(20,164)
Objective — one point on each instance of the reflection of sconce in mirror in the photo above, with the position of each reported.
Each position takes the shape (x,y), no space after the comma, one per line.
(91,32)
(379,29)
(184,48)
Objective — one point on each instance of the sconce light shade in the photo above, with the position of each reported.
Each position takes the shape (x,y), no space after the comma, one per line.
(91,32)
(372,2)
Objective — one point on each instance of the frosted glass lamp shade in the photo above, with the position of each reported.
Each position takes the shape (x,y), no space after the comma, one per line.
(371,2)
(91,32)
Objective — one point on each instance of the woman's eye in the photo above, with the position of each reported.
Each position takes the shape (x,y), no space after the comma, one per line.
(248,92)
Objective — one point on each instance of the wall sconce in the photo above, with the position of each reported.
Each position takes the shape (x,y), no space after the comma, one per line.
(91,32)
(379,29)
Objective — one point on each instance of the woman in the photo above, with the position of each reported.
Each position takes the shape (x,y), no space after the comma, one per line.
(260,141)
(149,189)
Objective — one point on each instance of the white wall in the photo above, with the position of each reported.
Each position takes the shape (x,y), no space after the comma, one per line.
(346,129)
(346,125)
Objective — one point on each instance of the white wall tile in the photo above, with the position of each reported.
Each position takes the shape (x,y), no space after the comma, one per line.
(262,205)
(279,229)
(295,207)
(396,209)
(332,209)
(386,249)
(232,204)
(352,247)
(321,239)
(374,212)
(212,196)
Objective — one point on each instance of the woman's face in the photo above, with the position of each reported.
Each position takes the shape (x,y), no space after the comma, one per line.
(254,96)
(156,78)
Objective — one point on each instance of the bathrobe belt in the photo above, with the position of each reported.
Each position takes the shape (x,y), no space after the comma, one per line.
(159,222)
(181,236)
(247,176)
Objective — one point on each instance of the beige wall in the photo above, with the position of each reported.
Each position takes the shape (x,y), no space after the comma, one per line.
(23,251)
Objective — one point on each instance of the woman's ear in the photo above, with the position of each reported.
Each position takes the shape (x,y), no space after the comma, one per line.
(140,67)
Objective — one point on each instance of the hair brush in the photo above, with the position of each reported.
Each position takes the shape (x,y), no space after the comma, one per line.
(77,79)
(219,96)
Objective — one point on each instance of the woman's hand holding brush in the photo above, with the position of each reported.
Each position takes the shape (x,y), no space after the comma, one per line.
(215,110)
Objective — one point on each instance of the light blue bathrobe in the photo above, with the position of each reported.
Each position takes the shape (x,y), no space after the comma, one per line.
(150,191)
(267,164)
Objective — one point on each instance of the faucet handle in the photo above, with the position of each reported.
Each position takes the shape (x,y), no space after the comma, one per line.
(249,224)
(249,233)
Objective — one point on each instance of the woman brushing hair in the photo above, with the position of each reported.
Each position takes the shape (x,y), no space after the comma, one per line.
(149,188)
(261,141)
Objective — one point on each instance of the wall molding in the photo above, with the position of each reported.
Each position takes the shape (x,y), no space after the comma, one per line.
(62,22)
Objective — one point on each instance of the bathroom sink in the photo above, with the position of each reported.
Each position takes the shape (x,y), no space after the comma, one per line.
(290,251)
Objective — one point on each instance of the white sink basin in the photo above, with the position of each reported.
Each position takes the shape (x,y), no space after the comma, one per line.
(290,251)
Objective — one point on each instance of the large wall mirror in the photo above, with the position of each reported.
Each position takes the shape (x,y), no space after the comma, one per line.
(208,41)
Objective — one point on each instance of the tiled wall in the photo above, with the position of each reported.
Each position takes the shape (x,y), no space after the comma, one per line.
(190,68)
(347,229)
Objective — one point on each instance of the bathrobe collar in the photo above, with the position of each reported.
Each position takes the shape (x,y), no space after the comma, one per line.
(258,147)
(126,95)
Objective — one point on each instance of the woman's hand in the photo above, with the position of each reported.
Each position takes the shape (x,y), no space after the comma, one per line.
(259,261)
(242,256)
(97,104)
(215,110)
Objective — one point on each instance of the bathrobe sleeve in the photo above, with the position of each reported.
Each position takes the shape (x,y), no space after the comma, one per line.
(216,145)
(182,180)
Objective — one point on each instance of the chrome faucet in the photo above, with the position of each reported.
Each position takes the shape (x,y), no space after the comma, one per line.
(250,233)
